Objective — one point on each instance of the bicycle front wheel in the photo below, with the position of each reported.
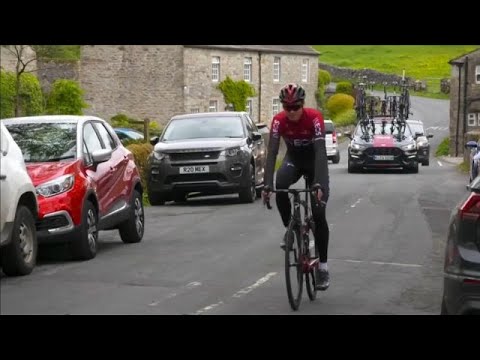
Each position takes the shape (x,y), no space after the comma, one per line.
(293,265)
(311,253)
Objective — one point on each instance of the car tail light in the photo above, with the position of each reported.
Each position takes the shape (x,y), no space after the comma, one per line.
(471,281)
(452,253)
(334,136)
(470,210)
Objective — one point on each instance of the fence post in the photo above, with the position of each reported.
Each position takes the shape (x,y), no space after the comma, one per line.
(146,130)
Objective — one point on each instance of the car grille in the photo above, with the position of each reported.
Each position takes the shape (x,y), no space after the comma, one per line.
(194,177)
(383,151)
(189,156)
(52,222)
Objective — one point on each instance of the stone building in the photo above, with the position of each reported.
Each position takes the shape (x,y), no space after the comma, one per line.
(464,100)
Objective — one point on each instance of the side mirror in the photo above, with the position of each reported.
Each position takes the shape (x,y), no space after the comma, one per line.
(348,134)
(261,125)
(154,140)
(339,134)
(471,144)
(256,136)
(417,134)
(429,136)
(100,156)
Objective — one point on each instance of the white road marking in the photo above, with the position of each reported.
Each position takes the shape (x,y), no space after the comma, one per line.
(378,262)
(193,284)
(356,203)
(207,308)
(439,163)
(259,282)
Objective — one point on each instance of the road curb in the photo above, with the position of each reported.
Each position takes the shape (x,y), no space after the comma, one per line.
(451,160)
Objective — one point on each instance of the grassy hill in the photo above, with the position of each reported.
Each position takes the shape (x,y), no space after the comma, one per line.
(423,62)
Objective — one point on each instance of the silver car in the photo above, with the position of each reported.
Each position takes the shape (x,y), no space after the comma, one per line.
(207,153)
(421,138)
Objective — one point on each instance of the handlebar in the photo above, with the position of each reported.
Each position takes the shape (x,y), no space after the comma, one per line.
(291,191)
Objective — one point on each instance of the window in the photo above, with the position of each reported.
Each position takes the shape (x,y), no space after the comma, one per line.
(106,137)
(194,110)
(250,107)
(275,106)
(472,119)
(213,106)
(247,69)
(477,74)
(215,68)
(276,69)
(305,65)
(91,140)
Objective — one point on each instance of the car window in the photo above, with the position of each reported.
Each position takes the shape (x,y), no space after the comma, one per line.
(91,139)
(329,128)
(252,124)
(204,127)
(105,136)
(3,140)
(45,141)
(417,128)
(249,125)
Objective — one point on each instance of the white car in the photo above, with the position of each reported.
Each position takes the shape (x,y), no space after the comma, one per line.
(18,210)
(331,142)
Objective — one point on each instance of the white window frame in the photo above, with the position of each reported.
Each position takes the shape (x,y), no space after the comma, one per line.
(277,68)
(477,74)
(213,106)
(472,119)
(275,106)
(247,69)
(194,110)
(249,108)
(305,68)
(216,68)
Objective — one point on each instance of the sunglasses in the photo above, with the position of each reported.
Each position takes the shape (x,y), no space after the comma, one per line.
(292,107)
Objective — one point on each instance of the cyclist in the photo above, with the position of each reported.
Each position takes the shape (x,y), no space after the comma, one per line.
(303,131)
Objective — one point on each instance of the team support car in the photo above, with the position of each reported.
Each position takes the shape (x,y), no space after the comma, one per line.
(382,143)
(461,281)
(18,210)
(423,144)
(207,153)
(85,180)
(474,148)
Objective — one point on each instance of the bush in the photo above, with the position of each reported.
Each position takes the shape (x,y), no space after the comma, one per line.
(339,103)
(344,87)
(345,118)
(443,148)
(320,97)
(31,96)
(66,98)
(140,153)
(236,93)
(324,77)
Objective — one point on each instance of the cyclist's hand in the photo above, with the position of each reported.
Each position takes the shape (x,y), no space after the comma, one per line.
(319,192)
(266,193)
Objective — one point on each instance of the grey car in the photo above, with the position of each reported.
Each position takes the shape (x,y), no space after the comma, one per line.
(461,285)
(207,153)
(421,138)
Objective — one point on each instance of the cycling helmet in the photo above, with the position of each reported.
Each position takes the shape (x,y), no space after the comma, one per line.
(292,93)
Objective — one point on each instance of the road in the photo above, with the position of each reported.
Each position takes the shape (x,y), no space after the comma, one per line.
(217,256)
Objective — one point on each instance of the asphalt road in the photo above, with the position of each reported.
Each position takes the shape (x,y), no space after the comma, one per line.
(217,256)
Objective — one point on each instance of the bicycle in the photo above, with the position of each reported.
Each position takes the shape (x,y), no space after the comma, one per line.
(301,229)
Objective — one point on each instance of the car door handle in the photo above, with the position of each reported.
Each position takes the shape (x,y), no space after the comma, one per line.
(3,177)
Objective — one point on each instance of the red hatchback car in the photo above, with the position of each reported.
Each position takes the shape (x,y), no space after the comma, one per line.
(86,180)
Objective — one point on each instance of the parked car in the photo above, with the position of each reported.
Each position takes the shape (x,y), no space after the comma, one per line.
(423,145)
(85,179)
(474,148)
(18,210)
(461,284)
(331,142)
(209,153)
(126,134)
(382,145)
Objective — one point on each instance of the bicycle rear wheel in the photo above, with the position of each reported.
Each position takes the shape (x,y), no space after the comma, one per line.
(310,276)
(293,266)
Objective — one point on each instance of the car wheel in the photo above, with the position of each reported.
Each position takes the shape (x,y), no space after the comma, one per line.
(179,197)
(249,194)
(20,255)
(336,158)
(351,168)
(443,310)
(84,247)
(132,230)
(426,163)
(156,198)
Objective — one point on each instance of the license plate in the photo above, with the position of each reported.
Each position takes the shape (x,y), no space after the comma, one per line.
(384,157)
(194,169)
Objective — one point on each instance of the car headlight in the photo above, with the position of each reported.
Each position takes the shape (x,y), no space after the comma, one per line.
(358,146)
(159,155)
(56,186)
(409,147)
(231,152)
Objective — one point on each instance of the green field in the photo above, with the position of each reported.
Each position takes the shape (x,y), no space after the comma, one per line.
(420,62)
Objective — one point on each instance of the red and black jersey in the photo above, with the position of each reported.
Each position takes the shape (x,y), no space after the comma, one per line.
(305,140)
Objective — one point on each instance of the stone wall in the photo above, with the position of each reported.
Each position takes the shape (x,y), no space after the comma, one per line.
(141,81)
(49,71)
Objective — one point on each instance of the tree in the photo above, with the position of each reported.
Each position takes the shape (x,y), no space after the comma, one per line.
(66,98)
(23,59)
(236,93)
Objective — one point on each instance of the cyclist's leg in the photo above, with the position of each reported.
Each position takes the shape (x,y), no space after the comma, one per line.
(287,175)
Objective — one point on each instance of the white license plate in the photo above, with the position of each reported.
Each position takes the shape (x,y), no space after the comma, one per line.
(194,169)
(384,157)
